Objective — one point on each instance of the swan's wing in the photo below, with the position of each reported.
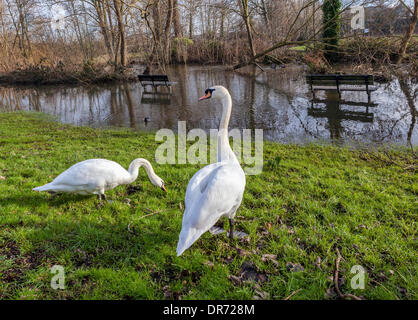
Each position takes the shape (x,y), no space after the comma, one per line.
(194,183)
(218,193)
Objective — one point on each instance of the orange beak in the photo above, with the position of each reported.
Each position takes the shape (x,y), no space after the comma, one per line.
(163,187)
(206,96)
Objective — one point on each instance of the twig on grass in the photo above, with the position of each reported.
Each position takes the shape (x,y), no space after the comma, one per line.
(147,215)
(150,213)
(377,282)
(133,229)
(292,294)
(337,287)
(389,160)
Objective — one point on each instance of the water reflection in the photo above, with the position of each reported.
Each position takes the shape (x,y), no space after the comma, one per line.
(276,101)
(156,98)
(336,112)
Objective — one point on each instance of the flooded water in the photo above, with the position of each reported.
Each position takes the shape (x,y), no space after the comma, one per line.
(277,101)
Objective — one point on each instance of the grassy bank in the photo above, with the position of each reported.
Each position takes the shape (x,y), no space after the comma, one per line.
(308,202)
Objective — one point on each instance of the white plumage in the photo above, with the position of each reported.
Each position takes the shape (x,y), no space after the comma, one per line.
(95,176)
(216,190)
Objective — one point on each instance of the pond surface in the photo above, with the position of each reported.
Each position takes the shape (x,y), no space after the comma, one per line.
(277,101)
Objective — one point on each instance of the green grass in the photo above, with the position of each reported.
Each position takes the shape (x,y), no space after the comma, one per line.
(308,201)
(298,48)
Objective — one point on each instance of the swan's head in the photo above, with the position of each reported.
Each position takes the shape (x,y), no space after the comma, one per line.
(158,182)
(215,92)
(155,180)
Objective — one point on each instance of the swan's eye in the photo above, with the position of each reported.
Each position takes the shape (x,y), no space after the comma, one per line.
(208,94)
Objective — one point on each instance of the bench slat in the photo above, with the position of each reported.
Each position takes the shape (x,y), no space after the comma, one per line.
(156,83)
(153,77)
(342,89)
(342,79)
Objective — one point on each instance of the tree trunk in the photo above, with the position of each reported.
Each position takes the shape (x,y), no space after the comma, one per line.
(176,19)
(167,29)
(190,24)
(246,16)
(409,33)
(104,27)
(121,30)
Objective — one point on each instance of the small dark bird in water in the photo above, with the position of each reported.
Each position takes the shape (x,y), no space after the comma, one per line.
(146,119)
(273,66)
(147,70)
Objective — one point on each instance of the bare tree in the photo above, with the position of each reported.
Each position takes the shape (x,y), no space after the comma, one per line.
(409,32)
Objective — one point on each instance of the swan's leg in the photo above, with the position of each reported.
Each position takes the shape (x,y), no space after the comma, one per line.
(53,194)
(231,229)
(102,196)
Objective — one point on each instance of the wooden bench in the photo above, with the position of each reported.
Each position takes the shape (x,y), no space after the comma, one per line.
(341,83)
(154,80)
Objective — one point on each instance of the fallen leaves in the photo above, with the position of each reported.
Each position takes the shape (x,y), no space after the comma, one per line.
(260,294)
(294,267)
(318,262)
(270,258)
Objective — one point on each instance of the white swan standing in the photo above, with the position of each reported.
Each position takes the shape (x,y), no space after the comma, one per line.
(95,176)
(216,190)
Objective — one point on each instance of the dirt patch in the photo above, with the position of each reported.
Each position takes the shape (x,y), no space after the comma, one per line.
(170,274)
(20,263)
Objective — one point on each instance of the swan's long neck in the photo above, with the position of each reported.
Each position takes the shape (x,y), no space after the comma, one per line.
(224,149)
(134,168)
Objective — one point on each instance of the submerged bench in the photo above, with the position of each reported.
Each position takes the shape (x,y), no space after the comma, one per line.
(341,83)
(154,80)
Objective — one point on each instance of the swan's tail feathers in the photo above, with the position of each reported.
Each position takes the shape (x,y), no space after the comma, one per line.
(45,187)
(188,236)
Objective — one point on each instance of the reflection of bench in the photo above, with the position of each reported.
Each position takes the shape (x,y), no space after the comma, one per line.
(341,114)
(156,98)
(333,110)
(348,103)
(341,83)
(154,80)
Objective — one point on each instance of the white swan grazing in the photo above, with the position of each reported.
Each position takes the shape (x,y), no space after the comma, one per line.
(95,176)
(216,190)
